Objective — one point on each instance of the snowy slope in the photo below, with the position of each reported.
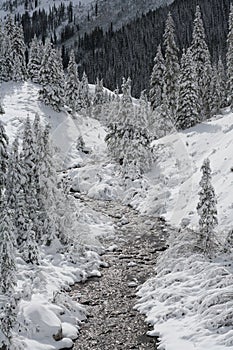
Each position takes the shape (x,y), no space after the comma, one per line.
(45,308)
(116,12)
(174,179)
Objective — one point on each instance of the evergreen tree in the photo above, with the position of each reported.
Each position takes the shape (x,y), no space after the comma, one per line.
(215,92)
(172,69)
(7,254)
(84,98)
(99,93)
(202,62)
(223,83)
(127,138)
(206,209)
(18,53)
(28,159)
(3,157)
(52,78)
(157,80)
(13,180)
(99,99)
(6,60)
(72,84)
(8,318)
(35,60)
(230,59)
(187,113)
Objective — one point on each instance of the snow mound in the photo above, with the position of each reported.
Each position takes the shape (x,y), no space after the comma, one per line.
(189,302)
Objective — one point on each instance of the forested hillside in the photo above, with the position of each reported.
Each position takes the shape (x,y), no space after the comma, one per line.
(130,50)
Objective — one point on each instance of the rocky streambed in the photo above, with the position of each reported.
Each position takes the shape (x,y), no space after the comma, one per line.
(112,321)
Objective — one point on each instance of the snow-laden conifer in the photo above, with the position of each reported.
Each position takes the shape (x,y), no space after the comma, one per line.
(14,177)
(3,157)
(35,60)
(188,104)
(230,58)
(207,210)
(7,253)
(128,139)
(99,93)
(6,60)
(18,53)
(8,320)
(201,56)
(223,82)
(52,78)
(157,79)
(83,94)
(72,84)
(172,68)
(216,98)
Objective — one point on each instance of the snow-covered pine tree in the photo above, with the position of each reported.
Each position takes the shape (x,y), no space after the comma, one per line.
(127,138)
(123,110)
(6,60)
(48,190)
(223,83)
(29,188)
(188,105)
(230,59)
(9,27)
(72,84)
(172,69)
(215,92)
(35,60)
(201,56)
(18,53)
(99,99)
(99,92)
(207,210)
(3,157)
(84,98)
(52,78)
(157,80)
(8,319)
(13,180)
(7,252)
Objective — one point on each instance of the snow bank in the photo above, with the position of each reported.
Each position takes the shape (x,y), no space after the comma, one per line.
(189,302)
(174,179)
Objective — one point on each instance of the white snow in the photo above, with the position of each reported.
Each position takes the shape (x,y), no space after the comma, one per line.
(45,308)
(183,301)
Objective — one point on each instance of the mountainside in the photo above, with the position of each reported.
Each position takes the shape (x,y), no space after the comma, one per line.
(130,50)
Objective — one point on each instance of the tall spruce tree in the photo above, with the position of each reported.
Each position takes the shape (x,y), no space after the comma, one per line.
(188,105)
(128,139)
(3,158)
(52,78)
(72,84)
(206,209)
(35,60)
(13,180)
(18,53)
(157,80)
(223,83)
(230,59)
(7,253)
(84,97)
(172,68)
(215,91)
(201,56)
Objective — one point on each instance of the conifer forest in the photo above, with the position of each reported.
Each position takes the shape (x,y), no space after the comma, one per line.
(116,173)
